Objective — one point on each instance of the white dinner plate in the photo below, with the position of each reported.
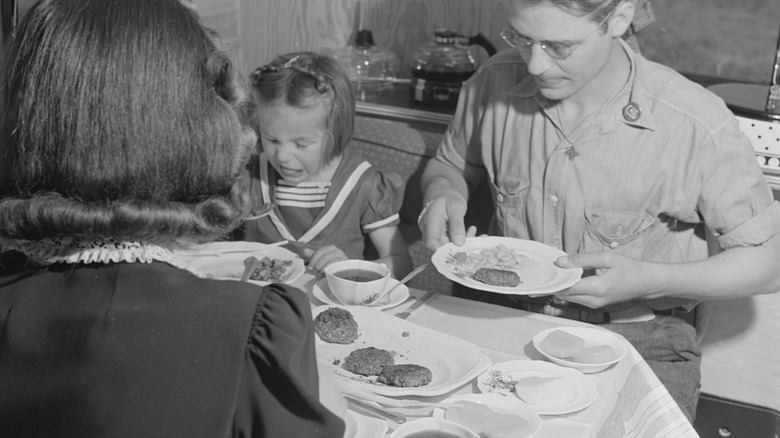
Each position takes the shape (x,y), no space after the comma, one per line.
(498,404)
(364,426)
(453,362)
(593,337)
(538,275)
(322,292)
(578,393)
(225,260)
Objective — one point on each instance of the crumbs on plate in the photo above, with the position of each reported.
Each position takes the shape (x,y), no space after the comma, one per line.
(498,382)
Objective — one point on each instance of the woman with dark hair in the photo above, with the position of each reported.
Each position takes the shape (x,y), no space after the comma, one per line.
(120,142)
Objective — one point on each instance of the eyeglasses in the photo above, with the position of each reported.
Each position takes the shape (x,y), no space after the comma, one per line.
(556,49)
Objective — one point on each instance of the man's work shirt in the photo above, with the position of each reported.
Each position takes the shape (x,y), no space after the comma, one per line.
(642,183)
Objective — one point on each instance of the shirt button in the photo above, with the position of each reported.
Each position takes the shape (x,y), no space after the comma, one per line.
(500,198)
(554,200)
(613,245)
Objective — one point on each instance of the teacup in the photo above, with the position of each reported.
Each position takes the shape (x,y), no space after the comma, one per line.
(356,282)
(431,427)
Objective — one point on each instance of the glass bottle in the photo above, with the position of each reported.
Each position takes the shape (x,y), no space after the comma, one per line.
(371,68)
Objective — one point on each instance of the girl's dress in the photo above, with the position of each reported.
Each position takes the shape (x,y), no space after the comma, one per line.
(358,200)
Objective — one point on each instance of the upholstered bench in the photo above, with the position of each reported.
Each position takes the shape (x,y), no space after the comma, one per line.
(405,148)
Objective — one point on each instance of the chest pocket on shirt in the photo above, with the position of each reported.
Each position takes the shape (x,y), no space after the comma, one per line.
(622,231)
(511,200)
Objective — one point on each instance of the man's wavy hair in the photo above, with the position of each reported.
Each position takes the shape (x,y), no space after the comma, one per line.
(119,118)
(597,10)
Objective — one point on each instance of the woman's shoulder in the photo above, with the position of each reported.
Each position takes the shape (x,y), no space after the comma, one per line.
(282,323)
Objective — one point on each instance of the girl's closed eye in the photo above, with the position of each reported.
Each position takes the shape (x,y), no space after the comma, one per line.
(306,143)
(295,141)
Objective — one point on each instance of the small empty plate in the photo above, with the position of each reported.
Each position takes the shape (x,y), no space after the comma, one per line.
(593,337)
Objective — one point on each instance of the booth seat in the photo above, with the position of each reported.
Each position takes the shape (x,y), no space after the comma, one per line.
(404,148)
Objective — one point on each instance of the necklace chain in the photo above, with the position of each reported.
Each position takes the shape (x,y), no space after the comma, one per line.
(571,152)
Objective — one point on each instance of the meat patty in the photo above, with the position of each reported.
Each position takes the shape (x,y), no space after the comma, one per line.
(336,325)
(405,375)
(497,277)
(368,361)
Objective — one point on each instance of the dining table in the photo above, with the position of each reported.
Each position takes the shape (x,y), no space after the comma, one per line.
(631,401)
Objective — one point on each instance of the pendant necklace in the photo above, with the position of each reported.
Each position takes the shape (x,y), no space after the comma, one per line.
(570,151)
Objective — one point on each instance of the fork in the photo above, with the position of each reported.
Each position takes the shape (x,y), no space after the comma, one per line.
(243,250)
(374,409)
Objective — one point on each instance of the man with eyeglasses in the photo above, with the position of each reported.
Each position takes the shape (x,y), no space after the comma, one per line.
(640,175)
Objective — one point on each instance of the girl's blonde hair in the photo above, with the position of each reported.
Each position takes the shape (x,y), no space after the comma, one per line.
(305,80)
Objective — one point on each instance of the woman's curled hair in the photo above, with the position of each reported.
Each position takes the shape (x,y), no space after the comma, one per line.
(119,119)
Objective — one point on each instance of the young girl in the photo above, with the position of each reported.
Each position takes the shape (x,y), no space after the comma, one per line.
(325,201)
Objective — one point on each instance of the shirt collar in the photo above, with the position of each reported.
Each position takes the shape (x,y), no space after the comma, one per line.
(632,92)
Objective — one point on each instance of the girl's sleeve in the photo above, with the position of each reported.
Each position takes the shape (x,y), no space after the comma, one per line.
(385,196)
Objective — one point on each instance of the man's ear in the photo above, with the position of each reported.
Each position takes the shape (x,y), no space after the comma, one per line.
(621,18)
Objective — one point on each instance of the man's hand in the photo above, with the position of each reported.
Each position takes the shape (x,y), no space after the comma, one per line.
(441,221)
(617,279)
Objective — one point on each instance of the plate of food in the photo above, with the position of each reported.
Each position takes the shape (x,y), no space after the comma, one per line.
(589,350)
(505,265)
(226,261)
(322,292)
(491,415)
(544,387)
(390,356)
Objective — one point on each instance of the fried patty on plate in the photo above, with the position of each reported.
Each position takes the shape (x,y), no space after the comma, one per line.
(368,361)
(405,375)
(497,277)
(336,325)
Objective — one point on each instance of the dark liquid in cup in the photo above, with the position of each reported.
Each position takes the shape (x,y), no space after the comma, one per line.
(358,275)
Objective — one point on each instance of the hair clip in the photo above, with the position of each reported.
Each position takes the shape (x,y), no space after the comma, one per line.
(289,63)
(320,81)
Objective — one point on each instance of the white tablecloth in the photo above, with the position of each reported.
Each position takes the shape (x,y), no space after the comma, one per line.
(632,402)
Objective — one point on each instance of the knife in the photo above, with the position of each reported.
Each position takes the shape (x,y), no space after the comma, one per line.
(424,300)
(363,405)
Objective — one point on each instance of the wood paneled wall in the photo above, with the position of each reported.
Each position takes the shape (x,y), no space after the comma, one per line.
(271,27)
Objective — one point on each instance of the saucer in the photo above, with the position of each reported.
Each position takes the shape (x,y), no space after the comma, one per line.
(593,337)
(321,291)
(579,390)
(363,426)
